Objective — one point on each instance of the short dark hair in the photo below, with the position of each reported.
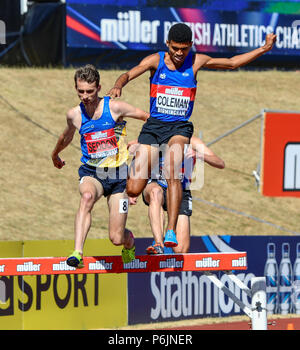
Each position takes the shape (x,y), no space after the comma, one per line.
(180,33)
(87,73)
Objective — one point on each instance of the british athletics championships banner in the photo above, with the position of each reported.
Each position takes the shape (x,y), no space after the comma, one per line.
(129,28)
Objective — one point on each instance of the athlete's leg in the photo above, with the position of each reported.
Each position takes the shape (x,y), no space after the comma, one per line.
(118,234)
(90,190)
(140,169)
(154,196)
(172,169)
(183,234)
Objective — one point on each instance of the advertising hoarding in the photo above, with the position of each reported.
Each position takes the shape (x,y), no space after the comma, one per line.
(57,302)
(171,296)
(130,28)
(280,154)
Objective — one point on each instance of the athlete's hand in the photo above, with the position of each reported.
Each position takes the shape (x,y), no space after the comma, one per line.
(270,41)
(115,92)
(57,161)
(132,200)
(132,146)
(190,153)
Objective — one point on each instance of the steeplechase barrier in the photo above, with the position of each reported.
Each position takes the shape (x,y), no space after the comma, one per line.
(208,263)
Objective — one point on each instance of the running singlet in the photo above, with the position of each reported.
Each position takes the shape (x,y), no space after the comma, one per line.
(102,140)
(172,92)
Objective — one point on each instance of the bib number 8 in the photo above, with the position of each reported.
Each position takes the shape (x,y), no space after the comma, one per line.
(123,206)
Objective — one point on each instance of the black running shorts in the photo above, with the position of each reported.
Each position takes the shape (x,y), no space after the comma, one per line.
(185,205)
(113,182)
(158,132)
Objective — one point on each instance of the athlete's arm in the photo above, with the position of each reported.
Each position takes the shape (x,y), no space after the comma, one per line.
(148,63)
(63,141)
(125,110)
(206,154)
(239,60)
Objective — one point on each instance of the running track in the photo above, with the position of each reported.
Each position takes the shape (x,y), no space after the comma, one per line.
(279,324)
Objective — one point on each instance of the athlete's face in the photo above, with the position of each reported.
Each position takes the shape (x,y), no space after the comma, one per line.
(87,93)
(178,51)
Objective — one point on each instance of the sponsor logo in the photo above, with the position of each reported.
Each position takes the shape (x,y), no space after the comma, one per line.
(128,27)
(2,268)
(170,263)
(207,263)
(135,264)
(240,262)
(162,76)
(189,294)
(100,265)
(62,266)
(28,267)
(174,91)
(99,135)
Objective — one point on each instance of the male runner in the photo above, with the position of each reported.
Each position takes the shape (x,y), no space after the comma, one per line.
(104,157)
(154,196)
(172,94)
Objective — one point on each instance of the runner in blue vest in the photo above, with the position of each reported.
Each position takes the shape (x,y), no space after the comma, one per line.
(154,196)
(104,160)
(172,94)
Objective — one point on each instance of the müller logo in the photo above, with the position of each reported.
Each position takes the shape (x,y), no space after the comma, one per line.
(207,262)
(62,266)
(240,262)
(100,265)
(174,91)
(170,263)
(135,264)
(28,267)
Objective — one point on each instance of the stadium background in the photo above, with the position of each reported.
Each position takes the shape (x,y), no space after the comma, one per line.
(42,40)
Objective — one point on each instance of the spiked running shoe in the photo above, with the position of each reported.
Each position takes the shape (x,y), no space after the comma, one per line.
(75,260)
(170,239)
(155,249)
(128,254)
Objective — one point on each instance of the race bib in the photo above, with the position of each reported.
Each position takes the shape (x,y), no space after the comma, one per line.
(172,100)
(101,144)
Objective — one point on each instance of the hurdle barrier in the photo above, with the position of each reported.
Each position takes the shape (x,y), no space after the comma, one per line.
(208,263)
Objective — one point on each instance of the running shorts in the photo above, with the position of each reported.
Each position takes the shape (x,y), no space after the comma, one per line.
(155,131)
(186,202)
(113,180)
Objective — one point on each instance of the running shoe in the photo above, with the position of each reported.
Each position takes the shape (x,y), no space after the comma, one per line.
(128,254)
(155,249)
(75,260)
(170,239)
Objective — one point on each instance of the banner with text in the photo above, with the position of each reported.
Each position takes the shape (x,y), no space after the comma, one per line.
(62,301)
(171,296)
(128,28)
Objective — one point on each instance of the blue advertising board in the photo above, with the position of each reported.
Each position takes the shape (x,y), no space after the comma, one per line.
(97,26)
(171,296)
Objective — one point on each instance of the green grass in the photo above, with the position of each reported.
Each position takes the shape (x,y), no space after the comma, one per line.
(39,201)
